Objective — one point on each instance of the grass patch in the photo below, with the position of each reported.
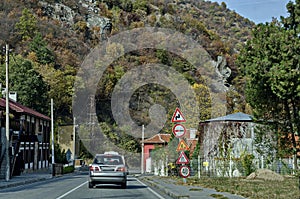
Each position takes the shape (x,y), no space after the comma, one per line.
(252,189)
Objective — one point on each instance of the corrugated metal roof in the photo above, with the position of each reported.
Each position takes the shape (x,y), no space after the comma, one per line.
(238,117)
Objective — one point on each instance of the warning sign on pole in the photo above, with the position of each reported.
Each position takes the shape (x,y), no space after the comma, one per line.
(182,159)
(178,116)
(182,146)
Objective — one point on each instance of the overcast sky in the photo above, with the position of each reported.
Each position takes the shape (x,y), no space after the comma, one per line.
(259,11)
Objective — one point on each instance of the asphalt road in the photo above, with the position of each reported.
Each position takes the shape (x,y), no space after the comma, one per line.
(75,186)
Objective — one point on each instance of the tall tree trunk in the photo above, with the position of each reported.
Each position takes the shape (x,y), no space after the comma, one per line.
(297,128)
(292,133)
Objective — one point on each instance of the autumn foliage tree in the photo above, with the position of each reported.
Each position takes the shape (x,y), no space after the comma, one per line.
(27,25)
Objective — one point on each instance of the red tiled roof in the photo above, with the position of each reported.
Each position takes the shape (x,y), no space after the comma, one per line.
(192,144)
(158,138)
(17,107)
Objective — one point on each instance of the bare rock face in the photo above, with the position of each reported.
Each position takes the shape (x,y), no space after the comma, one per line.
(67,14)
(222,69)
(58,11)
(265,174)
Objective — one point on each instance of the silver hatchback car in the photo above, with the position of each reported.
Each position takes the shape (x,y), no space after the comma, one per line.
(108,168)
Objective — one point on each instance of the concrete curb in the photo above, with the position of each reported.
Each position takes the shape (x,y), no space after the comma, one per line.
(15,184)
(31,179)
(183,192)
(166,191)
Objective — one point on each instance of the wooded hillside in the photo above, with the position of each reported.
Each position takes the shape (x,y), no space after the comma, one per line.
(49,39)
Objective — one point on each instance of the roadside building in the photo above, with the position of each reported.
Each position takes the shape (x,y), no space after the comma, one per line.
(224,140)
(168,153)
(29,146)
(158,140)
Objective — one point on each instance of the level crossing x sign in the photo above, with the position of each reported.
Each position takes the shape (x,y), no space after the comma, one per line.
(178,116)
(182,146)
(182,159)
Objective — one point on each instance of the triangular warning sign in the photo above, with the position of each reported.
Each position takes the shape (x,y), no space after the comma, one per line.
(178,116)
(182,159)
(182,146)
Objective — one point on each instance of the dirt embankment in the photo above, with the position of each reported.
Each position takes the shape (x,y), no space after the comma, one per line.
(265,174)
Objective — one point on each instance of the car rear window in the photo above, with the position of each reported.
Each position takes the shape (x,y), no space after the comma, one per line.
(108,160)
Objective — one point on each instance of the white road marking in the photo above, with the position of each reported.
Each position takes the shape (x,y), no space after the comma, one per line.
(71,190)
(151,190)
(159,196)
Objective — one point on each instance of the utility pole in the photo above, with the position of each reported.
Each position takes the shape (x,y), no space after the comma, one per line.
(52,134)
(7,176)
(74,139)
(92,114)
(92,120)
(142,161)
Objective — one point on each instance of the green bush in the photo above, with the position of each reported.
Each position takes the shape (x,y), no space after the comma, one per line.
(60,155)
(68,169)
(247,163)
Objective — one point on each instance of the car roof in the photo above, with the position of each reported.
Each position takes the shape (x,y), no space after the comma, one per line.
(107,155)
(111,152)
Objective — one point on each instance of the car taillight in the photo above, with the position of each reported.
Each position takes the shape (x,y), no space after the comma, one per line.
(94,168)
(121,169)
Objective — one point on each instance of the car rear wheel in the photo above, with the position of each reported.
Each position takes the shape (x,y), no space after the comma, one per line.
(91,185)
(123,185)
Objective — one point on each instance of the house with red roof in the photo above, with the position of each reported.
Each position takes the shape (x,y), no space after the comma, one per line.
(158,140)
(162,140)
(29,138)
